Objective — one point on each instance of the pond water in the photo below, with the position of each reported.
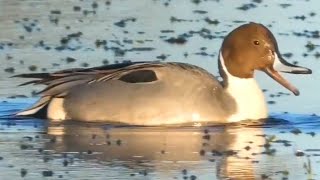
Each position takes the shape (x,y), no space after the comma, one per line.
(285,147)
(46,35)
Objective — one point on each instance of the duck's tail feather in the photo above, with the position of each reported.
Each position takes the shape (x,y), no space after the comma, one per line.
(36,108)
(33,75)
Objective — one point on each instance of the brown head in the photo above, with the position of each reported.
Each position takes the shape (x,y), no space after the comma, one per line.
(253,47)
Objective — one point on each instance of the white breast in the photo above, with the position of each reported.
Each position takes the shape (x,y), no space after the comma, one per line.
(249,98)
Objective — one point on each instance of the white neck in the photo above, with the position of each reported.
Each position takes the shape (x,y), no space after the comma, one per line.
(250,102)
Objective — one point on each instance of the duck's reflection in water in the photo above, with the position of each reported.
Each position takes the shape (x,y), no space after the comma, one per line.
(219,152)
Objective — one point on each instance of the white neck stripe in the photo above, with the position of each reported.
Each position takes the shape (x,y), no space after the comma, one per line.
(249,98)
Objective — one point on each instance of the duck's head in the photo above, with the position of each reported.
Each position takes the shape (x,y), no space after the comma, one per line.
(253,47)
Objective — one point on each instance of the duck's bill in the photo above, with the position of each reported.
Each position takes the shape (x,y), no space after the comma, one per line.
(282,65)
(277,77)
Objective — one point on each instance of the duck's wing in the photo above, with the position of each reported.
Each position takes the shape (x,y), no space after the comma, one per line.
(59,83)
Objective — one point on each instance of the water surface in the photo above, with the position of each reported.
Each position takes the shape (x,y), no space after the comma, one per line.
(286,146)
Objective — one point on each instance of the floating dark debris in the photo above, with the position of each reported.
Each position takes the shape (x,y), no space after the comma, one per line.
(143,172)
(311,134)
(184,172)
(296,131)
(105,62)
(65,163)
(284,5)
(53,139)
(309,34)
(271,102)
(204,54)
(206,137)
(246,7)
(174,19)
(299,153)
(123,22)
(302,17)
(287,55)
(193,177)
(178,40)
(257,1)
(33,68)
(238,21)
(89,151)
(162,57)
(317,55)
(76,8)
(209,21)
(141,49)
(200,12)
(247,148)
(167,31)
(94,5)
(118,142)
(84,64)
(196,1)
(312,14)
(202,152)
(54,19)
(9,70)
(23,172)
(47,173)
(70,60)
(270,152)
(216,153)
(25,146)
(264,176)
(87,12)
(128,41)
(55,12)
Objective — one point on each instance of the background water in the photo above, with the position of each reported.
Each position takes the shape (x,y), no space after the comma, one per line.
(44,36)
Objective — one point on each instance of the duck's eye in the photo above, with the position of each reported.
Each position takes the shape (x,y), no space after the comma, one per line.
(256,42)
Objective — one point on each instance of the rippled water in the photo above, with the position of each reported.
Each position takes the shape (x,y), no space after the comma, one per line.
(286,146)
(33,39)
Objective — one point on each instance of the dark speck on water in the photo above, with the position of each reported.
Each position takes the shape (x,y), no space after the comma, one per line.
(200,12)
(209,21)
(296,131)
(23,172)
(47,173)
(118,142)
(55,12)
(123,22)
(285,5)
(65,163)
(299,153)
(76,8)
(271,102)
(53,139)
(246,7)
(70,60)
(178,40)
(9,70)
(202,152)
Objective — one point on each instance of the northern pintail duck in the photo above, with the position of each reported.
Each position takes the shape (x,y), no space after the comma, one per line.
(166,93)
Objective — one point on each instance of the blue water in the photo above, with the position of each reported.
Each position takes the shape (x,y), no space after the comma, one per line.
(285,146)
